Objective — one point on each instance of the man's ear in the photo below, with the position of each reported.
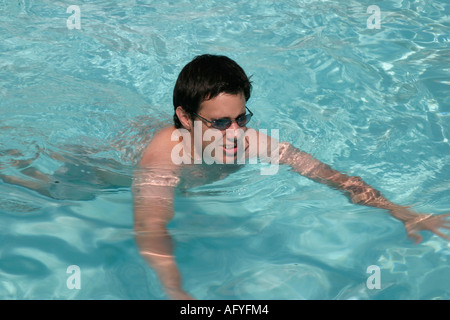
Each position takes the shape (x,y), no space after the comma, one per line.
(184,118)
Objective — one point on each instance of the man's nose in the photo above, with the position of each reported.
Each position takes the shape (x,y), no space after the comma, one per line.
(234,131)
(234,126)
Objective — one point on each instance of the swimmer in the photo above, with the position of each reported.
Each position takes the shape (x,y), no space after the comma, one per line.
(209,98)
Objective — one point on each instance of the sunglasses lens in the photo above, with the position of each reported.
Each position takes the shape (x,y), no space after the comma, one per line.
(222,124)
(243,120)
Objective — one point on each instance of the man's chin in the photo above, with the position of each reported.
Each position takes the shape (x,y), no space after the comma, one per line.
(232,159)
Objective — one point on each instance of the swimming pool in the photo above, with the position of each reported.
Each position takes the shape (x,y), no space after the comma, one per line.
(370,102)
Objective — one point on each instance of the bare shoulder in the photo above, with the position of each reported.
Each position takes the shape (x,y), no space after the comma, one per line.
(266,144)
(160,148)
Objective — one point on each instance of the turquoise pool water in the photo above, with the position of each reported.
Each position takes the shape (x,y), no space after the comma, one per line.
(369,102)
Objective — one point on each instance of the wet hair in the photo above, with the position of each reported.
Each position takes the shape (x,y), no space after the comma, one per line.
(204,78)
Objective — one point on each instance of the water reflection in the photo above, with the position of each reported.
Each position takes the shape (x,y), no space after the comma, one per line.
(79,176)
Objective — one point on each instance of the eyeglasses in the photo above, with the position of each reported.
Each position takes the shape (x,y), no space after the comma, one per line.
(225,123)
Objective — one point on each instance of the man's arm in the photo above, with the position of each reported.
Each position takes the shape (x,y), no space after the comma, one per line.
(153,194)
(360,192)
(154,182)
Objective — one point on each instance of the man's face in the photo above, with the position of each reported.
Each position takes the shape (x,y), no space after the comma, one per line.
(223,106)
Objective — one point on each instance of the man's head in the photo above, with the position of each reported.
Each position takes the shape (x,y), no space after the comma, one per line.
(204,78)
(213,90)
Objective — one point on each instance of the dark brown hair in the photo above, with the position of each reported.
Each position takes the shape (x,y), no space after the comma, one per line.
(206,77)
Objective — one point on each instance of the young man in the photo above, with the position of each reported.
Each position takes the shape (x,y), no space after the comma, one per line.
(209,99)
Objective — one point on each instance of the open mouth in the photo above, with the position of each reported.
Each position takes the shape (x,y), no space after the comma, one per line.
(230,149)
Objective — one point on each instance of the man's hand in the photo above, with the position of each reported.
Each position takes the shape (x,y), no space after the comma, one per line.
(361,193)
(415,222)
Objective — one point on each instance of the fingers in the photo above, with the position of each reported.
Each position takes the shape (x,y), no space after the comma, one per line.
(440,234)
(432,223)
(440,222)
(415,236)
